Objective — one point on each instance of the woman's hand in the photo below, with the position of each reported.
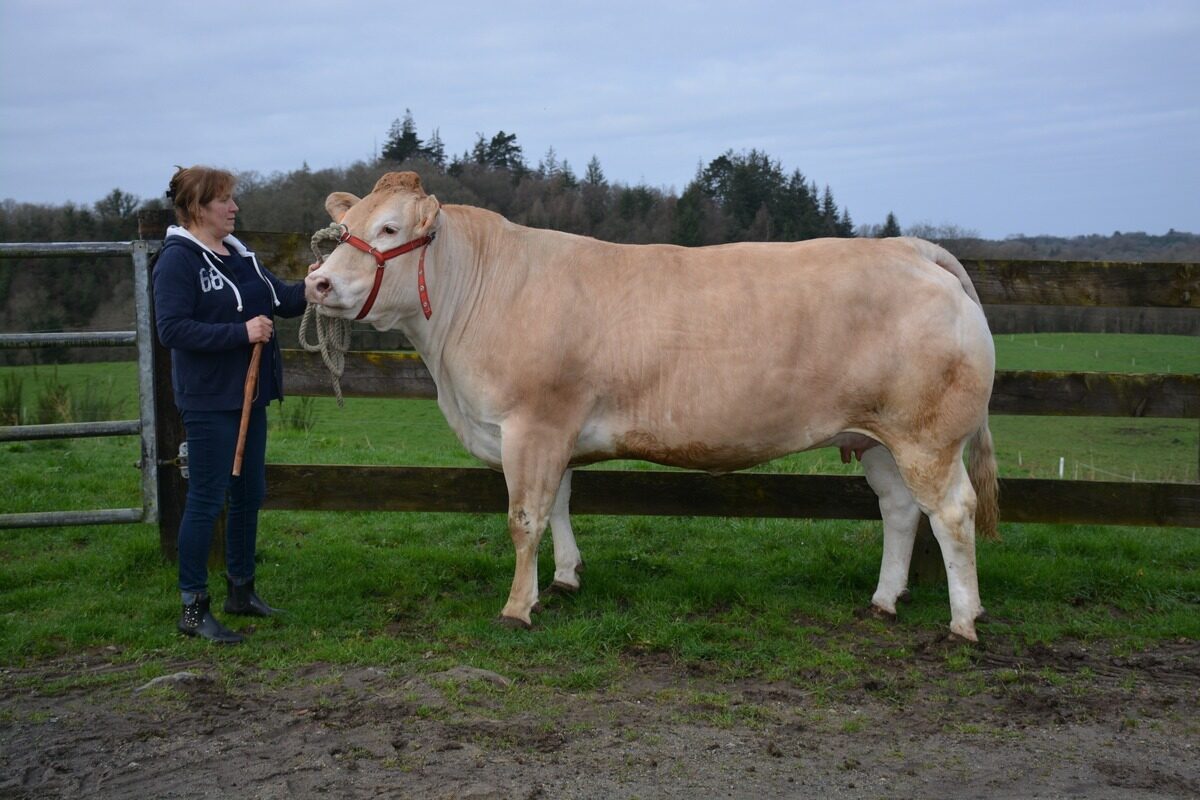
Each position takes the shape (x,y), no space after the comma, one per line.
(259,329)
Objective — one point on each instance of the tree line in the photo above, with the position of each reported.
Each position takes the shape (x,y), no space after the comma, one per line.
(735,197)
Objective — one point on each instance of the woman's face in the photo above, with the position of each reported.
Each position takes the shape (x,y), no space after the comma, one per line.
(217,215)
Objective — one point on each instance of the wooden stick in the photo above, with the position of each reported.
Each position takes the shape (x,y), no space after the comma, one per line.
(248,395)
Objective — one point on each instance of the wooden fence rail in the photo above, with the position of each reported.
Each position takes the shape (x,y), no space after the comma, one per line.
(741,494)
(1026,296)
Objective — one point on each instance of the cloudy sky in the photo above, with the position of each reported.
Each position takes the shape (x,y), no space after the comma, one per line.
(1000,117)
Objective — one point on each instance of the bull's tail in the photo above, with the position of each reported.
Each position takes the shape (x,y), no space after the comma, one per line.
(946,260)
(981,469)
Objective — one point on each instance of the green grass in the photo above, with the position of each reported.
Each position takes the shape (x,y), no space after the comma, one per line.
(741,597)
(1098,352)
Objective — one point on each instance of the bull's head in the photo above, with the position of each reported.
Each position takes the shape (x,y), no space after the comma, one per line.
(380,231)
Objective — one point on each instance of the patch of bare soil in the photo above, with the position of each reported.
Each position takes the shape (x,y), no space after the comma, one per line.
(1042,722)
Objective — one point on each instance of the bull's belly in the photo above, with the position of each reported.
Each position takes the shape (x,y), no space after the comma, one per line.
(602,440)
(715,452)
(706,442)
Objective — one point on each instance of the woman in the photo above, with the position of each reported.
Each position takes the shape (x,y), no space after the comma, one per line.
(213,303)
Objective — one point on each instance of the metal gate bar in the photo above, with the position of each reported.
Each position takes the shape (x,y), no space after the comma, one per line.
(142,337)
(70,430)
(81,339)
(52,519)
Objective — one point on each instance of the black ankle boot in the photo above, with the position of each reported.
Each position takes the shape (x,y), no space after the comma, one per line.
(197,620)
(243,600)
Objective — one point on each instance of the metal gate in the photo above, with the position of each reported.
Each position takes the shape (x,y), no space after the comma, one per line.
(139,253)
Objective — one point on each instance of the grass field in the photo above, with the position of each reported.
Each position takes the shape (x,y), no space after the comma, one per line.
(772,598)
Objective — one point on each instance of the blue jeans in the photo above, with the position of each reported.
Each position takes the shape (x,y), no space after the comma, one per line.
(212,440)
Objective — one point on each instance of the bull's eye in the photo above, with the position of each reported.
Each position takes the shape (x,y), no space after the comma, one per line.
(390,230)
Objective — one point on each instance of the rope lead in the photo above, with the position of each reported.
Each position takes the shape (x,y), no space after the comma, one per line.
(333,340)
(333,333)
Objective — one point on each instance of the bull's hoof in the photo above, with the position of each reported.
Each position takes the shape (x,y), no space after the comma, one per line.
(561,589)
(957,638)
(875,612)
(514,623)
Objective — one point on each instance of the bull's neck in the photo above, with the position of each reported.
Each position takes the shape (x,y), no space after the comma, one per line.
(454,280)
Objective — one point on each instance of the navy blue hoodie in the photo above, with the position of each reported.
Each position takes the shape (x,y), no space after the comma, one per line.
(202,302)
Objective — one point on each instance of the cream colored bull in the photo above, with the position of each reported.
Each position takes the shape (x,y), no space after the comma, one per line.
(551,351)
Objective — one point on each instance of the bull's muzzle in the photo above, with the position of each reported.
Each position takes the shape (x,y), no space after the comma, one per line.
(317,288)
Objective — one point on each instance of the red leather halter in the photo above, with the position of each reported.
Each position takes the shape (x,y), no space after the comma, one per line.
(381,259)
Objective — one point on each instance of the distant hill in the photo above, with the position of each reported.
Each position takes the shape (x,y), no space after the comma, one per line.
(1174,246)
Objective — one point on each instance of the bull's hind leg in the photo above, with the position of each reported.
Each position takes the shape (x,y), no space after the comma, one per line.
(944,492)
(567,561)
(534,461)
(901,515)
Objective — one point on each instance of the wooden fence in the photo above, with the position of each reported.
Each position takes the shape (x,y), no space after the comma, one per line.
(1019,297)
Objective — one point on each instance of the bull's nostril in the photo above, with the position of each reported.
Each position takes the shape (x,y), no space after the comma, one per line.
(322,285)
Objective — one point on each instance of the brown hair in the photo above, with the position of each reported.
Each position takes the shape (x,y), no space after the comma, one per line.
(192,187)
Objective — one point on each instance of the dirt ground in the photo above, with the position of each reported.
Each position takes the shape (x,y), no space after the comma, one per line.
(1068,721)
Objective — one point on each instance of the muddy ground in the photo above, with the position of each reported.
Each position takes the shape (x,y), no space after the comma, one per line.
(1040,722)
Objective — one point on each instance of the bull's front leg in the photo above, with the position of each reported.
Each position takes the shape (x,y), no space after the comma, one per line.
(534,458)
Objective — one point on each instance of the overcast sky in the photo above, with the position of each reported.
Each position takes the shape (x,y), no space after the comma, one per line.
(1000,117)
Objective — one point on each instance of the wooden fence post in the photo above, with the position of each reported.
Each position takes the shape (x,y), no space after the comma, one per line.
(927,567)
(172,488)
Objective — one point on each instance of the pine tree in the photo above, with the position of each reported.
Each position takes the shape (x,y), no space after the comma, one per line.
(503,152)
(566,176)
(689,216)
(594,175)
(434,150)
(479,152)
(402,142)
(549,167)
(595,194)
(829,213)
(845,225)
(890,227)
(800,215)
(754,194)
(459,163)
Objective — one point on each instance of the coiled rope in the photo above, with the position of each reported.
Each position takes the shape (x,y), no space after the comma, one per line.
(333,333)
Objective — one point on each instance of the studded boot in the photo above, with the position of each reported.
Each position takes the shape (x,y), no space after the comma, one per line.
(244,601)
(197,620)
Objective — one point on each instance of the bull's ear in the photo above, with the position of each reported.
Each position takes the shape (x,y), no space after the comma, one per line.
(338,203)
(428,207)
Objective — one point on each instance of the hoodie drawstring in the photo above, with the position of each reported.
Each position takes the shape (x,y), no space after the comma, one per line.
(270,286)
